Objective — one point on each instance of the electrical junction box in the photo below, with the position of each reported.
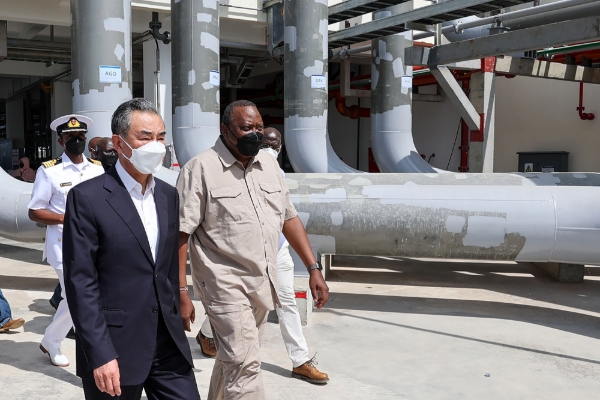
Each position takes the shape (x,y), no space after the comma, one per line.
(543,161)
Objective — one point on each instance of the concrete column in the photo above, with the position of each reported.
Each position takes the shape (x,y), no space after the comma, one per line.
(196,78)
(483,97)
(166,90)
(101,37)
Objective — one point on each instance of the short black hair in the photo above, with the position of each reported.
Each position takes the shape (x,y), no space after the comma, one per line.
(228,113)
(121,118)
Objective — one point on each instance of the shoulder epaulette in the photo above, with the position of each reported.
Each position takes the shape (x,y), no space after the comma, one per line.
(94,161)
(52,163)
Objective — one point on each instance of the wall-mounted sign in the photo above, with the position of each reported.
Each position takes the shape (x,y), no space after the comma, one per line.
(215,78)
(528,167)
(407,81)
(318,82)
(110,74)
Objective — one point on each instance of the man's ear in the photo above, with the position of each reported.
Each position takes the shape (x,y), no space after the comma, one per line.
(61,141)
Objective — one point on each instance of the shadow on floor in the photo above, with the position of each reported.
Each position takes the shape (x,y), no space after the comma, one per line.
(27,356)
(524,280)
(19,253)
(29,283)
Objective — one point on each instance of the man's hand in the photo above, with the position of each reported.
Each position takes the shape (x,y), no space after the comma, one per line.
(318,286)
(108,378)
(188,311)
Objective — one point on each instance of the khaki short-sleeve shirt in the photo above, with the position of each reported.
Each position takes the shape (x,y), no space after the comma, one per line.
(234,216)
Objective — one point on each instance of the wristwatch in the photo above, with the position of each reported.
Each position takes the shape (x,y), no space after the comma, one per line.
(314,266)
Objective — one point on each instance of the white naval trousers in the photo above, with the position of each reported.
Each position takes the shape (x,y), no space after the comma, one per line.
(62,322)
(289,316)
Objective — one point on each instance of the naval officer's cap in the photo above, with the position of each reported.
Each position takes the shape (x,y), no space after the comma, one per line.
(71,123)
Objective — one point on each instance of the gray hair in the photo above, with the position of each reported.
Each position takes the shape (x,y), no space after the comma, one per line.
(228,113)
(121,118)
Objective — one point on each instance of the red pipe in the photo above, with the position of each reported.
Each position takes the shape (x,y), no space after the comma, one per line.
(352,112)
(464,137)
(581,108)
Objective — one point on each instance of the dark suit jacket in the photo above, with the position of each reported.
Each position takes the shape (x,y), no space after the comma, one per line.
(113,286)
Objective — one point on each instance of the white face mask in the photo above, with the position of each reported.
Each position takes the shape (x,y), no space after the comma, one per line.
(271,151)
(148,158)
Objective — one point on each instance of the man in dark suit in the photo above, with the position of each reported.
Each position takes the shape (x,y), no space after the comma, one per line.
(121,270)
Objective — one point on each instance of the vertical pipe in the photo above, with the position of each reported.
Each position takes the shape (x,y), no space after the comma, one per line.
(101,36)
(196,78)
(305,84)
(464,137)
(391,105)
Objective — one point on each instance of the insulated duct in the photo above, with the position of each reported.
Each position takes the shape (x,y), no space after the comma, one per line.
(100,60)
(391,105)
(196,78)
(511,217)
(305,88)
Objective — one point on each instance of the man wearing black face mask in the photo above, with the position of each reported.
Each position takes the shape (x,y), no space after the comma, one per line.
(234,204)
(53,181)
(106,153)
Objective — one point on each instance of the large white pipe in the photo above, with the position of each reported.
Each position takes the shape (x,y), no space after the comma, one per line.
(391,105)
(452,216)
(14,198)
(306,86)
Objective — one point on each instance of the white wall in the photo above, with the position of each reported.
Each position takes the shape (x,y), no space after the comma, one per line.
(534,114)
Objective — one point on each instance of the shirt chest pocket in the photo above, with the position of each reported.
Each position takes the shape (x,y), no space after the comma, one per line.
(227,204)
(59,194)
(271,195)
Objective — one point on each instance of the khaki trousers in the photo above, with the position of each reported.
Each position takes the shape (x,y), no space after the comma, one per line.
(237,330)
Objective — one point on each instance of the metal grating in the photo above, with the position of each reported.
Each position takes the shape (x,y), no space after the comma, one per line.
(355,8)
(430,15)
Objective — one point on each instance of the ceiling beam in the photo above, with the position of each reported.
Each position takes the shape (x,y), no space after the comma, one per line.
(545,69)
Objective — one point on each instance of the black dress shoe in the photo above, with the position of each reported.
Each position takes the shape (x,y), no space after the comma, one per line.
(71,334)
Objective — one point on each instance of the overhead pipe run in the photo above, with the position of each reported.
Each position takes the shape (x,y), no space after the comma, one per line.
(305,88)
(101,69)
(511,217)
(474,27)
(196,77)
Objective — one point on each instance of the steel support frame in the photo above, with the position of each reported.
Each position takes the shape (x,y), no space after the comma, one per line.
(545,69)
(345,89)
(456,95)
(396,20)
(561,33)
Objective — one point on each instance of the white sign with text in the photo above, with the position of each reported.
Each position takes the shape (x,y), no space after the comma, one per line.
(110,74)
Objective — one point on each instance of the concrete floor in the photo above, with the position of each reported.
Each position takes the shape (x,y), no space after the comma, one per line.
(393,329)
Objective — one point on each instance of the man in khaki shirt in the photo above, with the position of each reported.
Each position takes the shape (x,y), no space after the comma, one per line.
(234,204)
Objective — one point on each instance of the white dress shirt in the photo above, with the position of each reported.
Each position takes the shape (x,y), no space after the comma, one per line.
(144,204)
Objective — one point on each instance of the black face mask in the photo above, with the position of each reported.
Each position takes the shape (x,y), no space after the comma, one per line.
(75,146)
(248,145)
(109,160)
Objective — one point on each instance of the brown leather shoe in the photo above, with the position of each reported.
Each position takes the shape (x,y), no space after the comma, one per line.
(207,345)
(309,372)
(12,324)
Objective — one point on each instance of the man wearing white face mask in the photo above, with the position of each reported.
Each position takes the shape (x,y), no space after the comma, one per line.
(121,270)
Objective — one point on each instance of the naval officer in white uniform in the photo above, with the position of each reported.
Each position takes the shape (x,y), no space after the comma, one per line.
(53,181)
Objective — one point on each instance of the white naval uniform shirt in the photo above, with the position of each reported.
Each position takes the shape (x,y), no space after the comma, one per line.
(50,189)
(144,204)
